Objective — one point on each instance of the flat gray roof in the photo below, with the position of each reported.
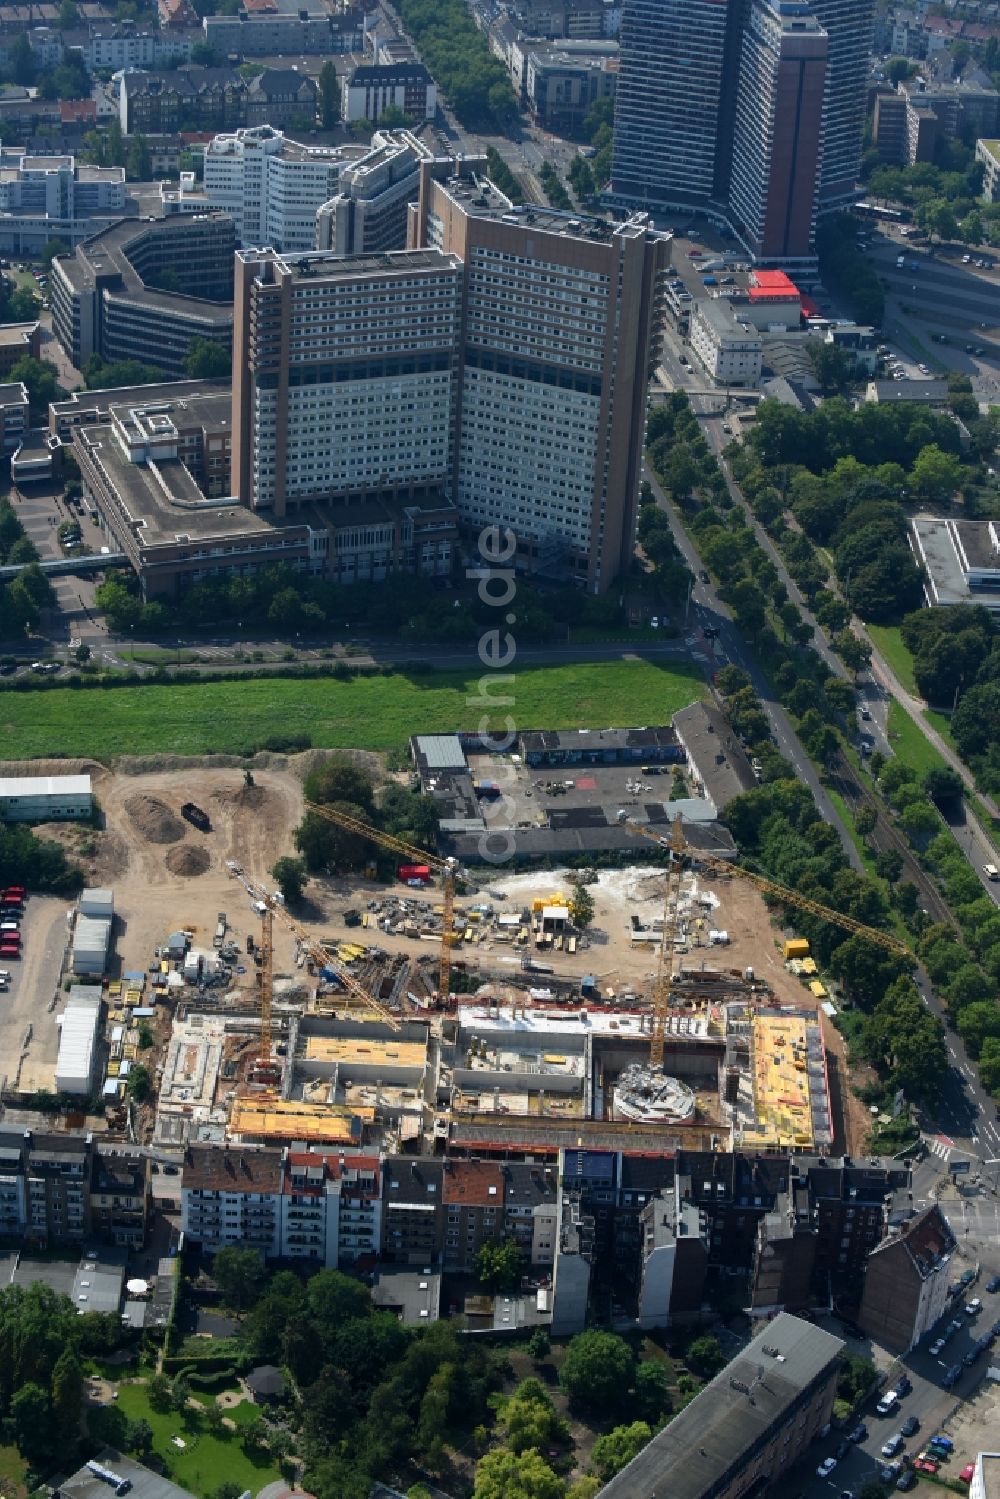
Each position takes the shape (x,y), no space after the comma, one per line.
(947,581)
(416,1294)
(711,1437)
(146,1484)
(714,752)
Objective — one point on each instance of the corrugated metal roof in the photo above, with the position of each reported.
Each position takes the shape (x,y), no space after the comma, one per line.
(44,785)
(441,751)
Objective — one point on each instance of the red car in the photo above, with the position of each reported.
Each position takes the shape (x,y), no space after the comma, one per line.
(967,1472)
(924,1465)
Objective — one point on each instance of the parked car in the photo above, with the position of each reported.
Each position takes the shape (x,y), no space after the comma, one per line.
(906,1481)
(859,1433)
(826,1467)
(910,1427)
(993,1284)
(887,1404)
(924,1465)
(945,1443)
(973,1307)
(904,1385)
(967,1472)
(842,1449)
(936,1347)
(892,1445)
(889,1472)
(951,1375)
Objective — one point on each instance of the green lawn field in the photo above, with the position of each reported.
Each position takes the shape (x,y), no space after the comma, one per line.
(205,1461)
(377,713)
(887,640)
(909,743)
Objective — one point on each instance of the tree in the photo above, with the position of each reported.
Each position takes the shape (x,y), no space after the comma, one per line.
(39,377)
(158,1391)
(67,1394)
(597,1370)
(855,653)
(539,1345)
(138,161)
(139,1082)
(329,96)
(290,875)
(340,779)
(936,475)
(616,1449)
(705,1356)
(325,847)
(499,1265)
(650,1398)
(31,1419)
(207,360)
(831,366)
(529,1418)
(581,907)
(943,784)
(239,1275)
(977,1023)
(508,1475)
(139,1436)
(898,68)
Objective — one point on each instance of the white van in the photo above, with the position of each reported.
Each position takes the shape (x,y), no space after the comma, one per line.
(991,872)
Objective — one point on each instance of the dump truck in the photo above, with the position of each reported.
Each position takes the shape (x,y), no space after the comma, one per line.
(197,817)
(220,930)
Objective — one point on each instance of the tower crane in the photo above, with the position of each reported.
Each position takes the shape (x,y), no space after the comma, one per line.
(447,866)
(676,846)
(267,907)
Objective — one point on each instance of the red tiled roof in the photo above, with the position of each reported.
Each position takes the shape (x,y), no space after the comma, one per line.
(473,1184)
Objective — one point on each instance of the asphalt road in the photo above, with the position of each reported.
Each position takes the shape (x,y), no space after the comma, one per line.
(928,1401)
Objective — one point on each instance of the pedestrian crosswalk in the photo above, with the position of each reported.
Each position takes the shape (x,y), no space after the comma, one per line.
(940,1145)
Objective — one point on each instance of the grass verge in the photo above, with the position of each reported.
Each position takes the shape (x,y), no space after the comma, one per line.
(376,713)
(12,1473)
(910,744)
(889,643)
(205,1462)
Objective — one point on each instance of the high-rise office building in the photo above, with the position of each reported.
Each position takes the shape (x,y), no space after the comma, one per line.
(777,135)
(708,113)
(848,25)
(669,100)
(344,378)
(272,186)
(557,347)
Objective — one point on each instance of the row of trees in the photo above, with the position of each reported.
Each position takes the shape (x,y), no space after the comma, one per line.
(286,601)
(475,83)
(956,662)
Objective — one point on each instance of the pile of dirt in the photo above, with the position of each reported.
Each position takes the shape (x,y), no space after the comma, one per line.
(244,798)
(188,860)
(154,819)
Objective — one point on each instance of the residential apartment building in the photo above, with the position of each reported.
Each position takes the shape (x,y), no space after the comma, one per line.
(373,88)
(231,1197)
(669,100)
(120,1197)
(531,1210)
(216,98)
(473,1196)
(43,198)
(906,1281)
(780,143)
(110,296)
(560,320)
(370,209)
(271,186)
(749,1425)
(331,1207)
(64,1189)
(285,33)
(122,46)
(18,340)
(849,26)
(777,132)
(413,1216)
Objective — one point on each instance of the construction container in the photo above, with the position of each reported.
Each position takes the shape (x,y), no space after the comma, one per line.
(796,947)
(99,903)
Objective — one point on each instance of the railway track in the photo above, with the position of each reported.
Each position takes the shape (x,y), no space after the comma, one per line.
(844,779)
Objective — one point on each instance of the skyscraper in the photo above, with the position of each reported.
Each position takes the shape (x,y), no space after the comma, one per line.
(559,320)
(849,25)
(776,139)
(668,99)
(709,114)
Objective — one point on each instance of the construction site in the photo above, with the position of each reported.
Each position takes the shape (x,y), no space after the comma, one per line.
(444,1012)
